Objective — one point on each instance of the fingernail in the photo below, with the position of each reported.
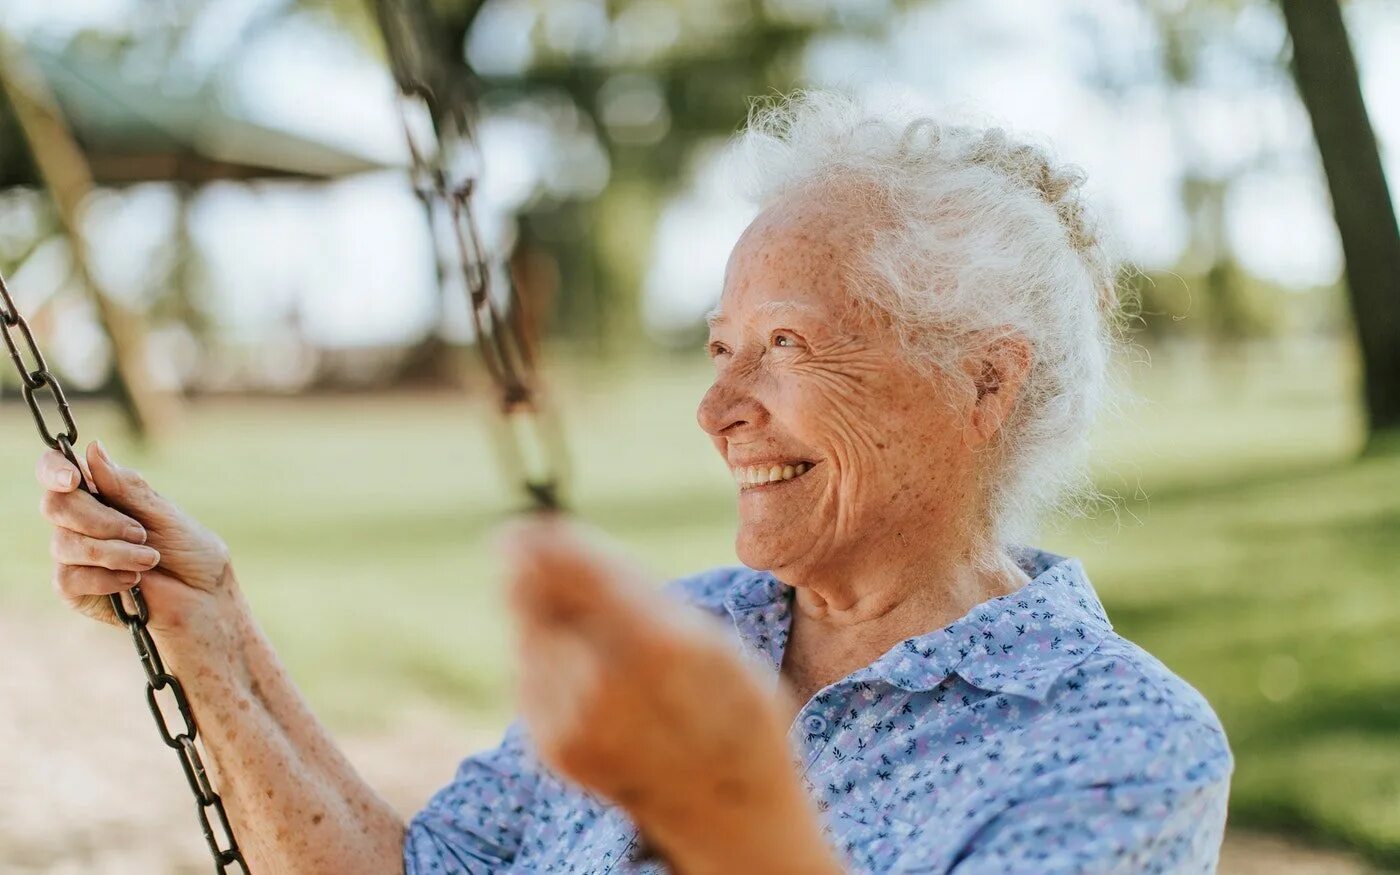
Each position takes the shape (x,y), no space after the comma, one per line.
(135,534)
(148,557)
(68,479)
(102,452)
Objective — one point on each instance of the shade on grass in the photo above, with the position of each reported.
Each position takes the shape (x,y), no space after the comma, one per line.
(1247,550)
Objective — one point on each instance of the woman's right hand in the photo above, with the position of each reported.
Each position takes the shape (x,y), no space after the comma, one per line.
(183,568)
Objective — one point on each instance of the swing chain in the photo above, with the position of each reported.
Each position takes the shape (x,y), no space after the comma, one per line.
(35,376)
(445,169)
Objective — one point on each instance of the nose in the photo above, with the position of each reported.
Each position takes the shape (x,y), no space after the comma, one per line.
(730,408)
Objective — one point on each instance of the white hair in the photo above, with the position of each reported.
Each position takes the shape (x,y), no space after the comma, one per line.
(987,238)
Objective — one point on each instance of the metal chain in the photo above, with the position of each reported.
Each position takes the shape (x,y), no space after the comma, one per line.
(35,378)
(446,161)
(444,156)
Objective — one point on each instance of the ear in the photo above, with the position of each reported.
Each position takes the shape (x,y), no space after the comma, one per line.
(998,371)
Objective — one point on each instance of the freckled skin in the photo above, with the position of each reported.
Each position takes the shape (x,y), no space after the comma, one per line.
(295,803)
(881,536)
(622,692)
(842,396)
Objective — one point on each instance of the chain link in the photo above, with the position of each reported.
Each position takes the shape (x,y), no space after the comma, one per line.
(446,163)
(34,376)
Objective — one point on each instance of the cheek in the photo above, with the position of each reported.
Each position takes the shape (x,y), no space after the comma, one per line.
(848,420)
(926,451)
(884,438)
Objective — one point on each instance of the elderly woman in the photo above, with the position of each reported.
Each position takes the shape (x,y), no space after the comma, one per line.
(910,345)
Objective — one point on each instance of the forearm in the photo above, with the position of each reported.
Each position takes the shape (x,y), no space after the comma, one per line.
(294,801)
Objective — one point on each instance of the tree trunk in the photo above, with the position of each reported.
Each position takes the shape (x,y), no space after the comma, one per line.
(1325,71)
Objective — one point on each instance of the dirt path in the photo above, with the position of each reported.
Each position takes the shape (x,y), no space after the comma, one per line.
(85,787)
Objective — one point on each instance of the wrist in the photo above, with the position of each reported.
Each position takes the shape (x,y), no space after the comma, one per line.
(766,828)
(211,638)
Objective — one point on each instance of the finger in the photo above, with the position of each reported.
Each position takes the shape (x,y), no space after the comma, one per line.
(561,574)
(71,548)
(85,515)
(615,633)
(56,473)
(120,486)
(538,583)
(76,581)
(542,613)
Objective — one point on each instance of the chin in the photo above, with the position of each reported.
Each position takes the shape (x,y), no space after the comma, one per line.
(765,553)
(755,559)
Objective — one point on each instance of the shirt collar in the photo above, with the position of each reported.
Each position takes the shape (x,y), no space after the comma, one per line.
(1018,644)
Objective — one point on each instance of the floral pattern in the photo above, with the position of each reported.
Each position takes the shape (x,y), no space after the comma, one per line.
(1027,737)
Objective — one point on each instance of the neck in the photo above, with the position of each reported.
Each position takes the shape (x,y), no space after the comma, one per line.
(937,577)
(848,612)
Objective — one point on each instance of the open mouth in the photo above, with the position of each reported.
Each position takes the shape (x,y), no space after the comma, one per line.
(773,474)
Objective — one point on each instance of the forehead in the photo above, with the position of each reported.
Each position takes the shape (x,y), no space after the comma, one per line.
(794,259)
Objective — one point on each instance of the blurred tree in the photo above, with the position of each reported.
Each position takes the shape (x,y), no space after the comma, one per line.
(1207,291)
(1325,70)
(134,106)
(64,171)
(652,83)
(629,91)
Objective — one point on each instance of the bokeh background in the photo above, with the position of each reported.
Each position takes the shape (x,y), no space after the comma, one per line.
(205,211)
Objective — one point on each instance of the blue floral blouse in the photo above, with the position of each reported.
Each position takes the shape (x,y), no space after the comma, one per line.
(1027,737)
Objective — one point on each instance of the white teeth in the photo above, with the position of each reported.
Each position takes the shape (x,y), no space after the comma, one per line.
(757,475)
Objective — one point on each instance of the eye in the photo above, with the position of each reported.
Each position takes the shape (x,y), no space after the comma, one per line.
(784,339)
(718,349)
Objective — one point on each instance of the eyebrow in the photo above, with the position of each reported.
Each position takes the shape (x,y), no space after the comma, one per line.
(769,308)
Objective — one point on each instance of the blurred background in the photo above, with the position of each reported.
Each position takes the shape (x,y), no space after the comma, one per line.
(207,215)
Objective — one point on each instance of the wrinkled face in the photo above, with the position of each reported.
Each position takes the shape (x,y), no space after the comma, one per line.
(841,448)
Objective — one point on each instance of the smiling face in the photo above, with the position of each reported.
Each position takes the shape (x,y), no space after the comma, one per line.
(841,447)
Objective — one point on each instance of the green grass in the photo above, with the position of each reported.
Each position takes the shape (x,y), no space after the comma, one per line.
(1248,549)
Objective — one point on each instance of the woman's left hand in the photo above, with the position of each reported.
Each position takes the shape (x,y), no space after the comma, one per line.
(645,702)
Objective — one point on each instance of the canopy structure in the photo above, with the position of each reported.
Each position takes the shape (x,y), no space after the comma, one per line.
(84,116)
(136,131)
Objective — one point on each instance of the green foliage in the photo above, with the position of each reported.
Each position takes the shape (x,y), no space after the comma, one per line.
(1226,305)
(650,84)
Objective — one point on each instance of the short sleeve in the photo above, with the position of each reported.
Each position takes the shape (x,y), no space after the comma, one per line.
(474,825)
(1167,816)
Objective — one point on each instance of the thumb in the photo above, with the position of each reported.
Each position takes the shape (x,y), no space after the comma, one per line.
(563,579)
(121,487)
